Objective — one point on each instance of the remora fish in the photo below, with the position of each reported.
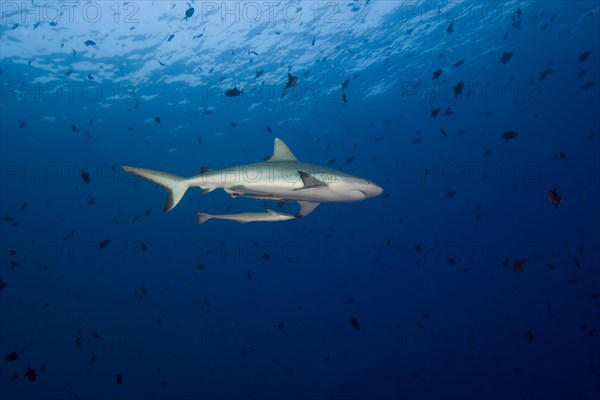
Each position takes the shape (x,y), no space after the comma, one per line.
(269,216)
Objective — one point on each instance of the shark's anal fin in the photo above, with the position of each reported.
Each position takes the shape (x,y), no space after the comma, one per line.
(309,181)
(306,207)
(281,152)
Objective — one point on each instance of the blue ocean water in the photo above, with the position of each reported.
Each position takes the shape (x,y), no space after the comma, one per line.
(475,275)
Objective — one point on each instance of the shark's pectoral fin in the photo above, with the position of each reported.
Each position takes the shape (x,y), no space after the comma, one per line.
(309,181)
(306,207)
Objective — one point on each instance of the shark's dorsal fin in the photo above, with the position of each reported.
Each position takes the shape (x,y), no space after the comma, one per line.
(281,152)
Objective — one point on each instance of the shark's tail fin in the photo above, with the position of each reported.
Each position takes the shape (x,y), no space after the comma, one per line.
(203,217)
(175,186)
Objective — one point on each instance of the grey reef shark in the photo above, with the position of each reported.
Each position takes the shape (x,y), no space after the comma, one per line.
(281,178)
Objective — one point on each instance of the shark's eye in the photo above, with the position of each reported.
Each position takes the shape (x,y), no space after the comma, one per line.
(368,182)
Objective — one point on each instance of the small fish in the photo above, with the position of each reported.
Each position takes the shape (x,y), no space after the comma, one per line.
(89,43)
(519,266)
(583,56)
(53,23)
(170,38)
(450,27)
(143,246)
(354,323)
(103,244)
(269,129)
(436,74)
(234,92)
(10,357)
(119,378)
(344,98)
(292,81)
(506,56)
(198,36)
(588,84)
(313,42)
(450,193)
(21,124)
(509,135)
(31,375)
(529,336)
(451,261)
(85,176)
(189,12)
(234,124)
(345,84)
(448,112)
(553,198)
(518,12)
(458,63)
(435,112)
(545,73)
(162,64)
(458,88)
(90,77)
(250,52)
(157,120)
(581,73)
(260,73)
